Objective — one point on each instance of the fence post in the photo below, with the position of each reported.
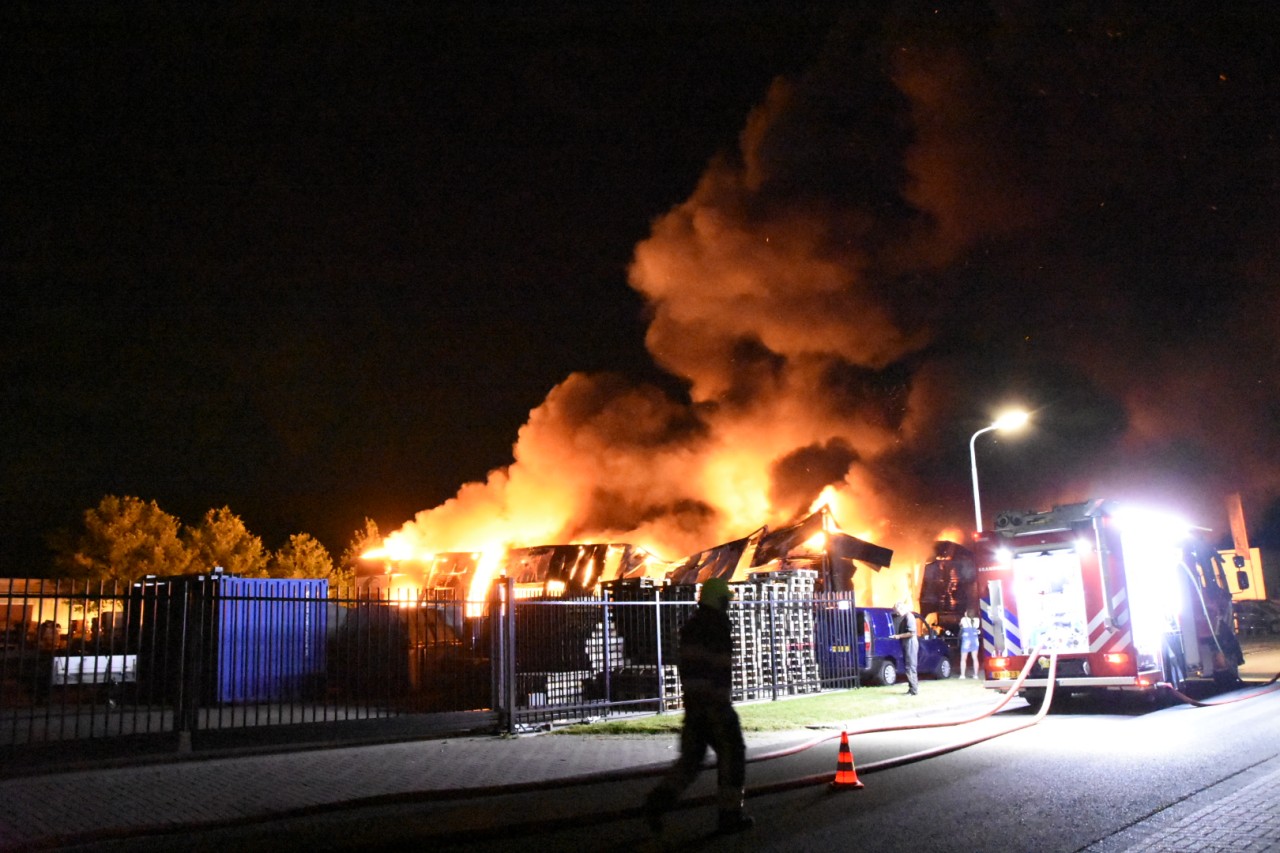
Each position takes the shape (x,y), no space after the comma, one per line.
(184,713)
(509,664)
(499,652)
(853,632)
(773,642)
(607,658)
(657,620)
(493,616)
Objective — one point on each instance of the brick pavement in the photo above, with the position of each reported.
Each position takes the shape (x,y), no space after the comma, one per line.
(208,790)
(1238,814)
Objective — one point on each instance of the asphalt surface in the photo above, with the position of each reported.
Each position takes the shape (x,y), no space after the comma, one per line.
(114,805)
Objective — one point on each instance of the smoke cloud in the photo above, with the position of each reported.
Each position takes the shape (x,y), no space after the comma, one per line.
(948,212)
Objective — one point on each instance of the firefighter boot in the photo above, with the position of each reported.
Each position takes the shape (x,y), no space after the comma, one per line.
(733,818)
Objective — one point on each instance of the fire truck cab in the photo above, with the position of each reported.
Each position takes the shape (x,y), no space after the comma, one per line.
(1127,599)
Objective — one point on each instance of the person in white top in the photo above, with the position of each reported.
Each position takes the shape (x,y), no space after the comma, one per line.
(969,627)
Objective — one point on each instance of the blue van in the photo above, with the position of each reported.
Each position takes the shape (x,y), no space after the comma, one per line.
(879,655)
(875,624)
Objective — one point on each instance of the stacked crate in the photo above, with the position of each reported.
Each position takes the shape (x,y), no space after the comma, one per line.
(539,689)
(748,677)
(599,642)
(635,625)
(642,681)
(634,660)
(787,639)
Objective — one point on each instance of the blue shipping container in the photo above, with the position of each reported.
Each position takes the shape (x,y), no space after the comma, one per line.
(270,637)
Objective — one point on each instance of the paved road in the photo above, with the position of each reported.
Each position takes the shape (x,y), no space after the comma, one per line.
(392,794)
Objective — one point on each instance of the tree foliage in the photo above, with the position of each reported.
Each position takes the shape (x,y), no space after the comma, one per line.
(303,556)
(362,539)
(221,539)
(126,538)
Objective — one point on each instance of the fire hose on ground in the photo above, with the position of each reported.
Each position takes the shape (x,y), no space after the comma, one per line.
(1270,687)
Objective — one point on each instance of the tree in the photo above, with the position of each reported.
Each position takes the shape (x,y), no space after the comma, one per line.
(124,539)
(221,539)
(304,557)
(362,540)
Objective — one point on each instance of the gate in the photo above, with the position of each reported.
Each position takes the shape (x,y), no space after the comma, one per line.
(569,660)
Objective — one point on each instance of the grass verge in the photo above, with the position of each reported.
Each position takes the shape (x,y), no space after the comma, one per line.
(836,708)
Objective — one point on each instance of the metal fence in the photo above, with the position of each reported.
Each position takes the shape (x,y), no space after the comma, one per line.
(586,658)
(211,653)
(177,656)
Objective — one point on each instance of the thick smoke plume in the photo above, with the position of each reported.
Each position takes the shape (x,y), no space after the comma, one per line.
(949,212)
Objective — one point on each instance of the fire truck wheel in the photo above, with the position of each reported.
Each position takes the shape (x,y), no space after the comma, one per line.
(1226,678)
(1034,697)
(886,672)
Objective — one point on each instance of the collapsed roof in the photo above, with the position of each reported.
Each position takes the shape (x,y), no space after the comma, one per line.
(815,542)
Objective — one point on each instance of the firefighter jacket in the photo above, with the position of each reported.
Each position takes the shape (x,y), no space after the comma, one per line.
(706,656)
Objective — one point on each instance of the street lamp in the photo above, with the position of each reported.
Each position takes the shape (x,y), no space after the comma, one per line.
(1009,420)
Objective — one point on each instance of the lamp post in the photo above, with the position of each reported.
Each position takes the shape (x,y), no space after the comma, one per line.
(1009,420)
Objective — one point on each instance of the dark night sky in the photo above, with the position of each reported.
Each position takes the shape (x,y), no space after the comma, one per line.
(318,267)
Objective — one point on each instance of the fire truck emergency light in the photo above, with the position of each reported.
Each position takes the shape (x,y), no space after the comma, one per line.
(1151,544)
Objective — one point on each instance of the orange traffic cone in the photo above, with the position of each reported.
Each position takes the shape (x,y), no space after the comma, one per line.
(846,776)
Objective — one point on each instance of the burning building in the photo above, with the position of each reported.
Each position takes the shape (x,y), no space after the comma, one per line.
(815,543)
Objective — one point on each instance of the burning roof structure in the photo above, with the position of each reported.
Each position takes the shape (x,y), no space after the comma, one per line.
(815,542)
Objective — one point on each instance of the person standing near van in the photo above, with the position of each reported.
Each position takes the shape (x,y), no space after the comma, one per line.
(905,630)
(969,627)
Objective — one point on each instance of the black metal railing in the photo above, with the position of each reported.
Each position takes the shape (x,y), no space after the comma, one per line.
(616,653)
(204,653)
(213,653)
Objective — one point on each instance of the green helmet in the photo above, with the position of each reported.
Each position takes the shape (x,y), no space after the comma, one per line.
(715,593)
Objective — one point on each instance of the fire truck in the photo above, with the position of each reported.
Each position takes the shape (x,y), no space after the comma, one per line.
(1127,599)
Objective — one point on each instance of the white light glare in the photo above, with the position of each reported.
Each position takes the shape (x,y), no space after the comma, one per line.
(1011,419)
(1151,544)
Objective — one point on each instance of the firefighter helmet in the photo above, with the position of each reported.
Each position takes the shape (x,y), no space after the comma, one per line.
(715,593)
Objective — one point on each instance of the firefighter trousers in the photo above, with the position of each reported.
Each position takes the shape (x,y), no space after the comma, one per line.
(715,725)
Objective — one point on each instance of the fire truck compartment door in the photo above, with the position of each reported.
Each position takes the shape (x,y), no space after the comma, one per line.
(1187,625)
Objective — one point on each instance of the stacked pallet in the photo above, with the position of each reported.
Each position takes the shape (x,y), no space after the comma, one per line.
(787,629)
(606,649)
(636,624)
(646,681)
(748,677)
(539,689)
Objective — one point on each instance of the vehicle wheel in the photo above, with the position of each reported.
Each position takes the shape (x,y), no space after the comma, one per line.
(943,669)
(1034,697)
(1226,678)
(886,673)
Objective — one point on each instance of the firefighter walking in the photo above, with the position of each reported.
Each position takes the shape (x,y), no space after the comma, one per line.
(705,664)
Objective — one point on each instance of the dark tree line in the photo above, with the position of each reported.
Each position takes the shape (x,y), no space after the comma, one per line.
(126,538)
